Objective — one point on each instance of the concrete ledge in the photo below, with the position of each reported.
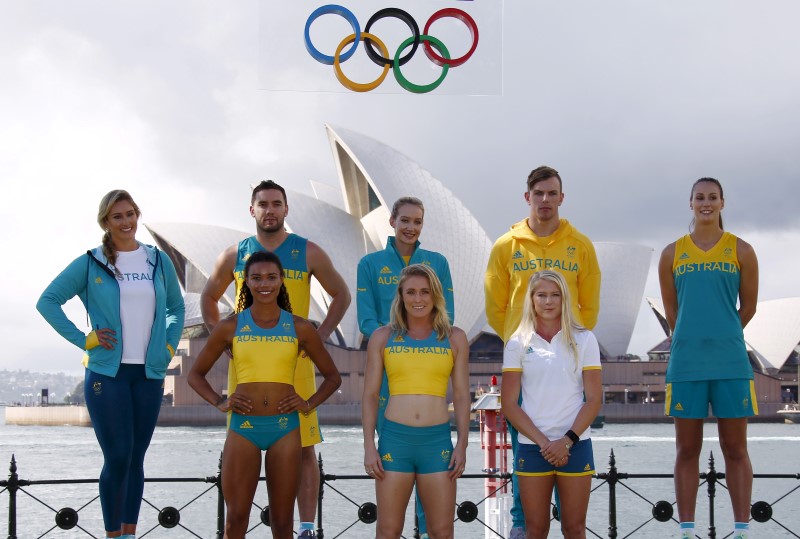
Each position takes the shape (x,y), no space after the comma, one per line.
(48,415)
(206,415)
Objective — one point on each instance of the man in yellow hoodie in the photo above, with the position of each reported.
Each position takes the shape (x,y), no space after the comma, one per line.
(541,241)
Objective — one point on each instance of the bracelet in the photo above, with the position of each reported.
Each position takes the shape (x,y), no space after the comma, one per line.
(220,400)
(574,438)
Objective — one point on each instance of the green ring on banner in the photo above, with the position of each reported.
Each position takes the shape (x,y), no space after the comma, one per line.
(420,88)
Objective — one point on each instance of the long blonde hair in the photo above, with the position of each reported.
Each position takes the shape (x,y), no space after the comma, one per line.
(527,326)
(111,198)
(398,318)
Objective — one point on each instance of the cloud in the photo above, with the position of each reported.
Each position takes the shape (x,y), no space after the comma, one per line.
(630,101)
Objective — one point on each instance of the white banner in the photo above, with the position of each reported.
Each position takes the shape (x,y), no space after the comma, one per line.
(445,47)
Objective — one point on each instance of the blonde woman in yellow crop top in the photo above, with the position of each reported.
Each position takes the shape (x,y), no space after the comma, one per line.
(421,353)
(266,338)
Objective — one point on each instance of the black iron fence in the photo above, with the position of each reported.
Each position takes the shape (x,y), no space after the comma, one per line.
(653,512)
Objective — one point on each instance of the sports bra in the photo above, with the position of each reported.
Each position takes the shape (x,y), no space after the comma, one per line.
(265,355)
(418,367)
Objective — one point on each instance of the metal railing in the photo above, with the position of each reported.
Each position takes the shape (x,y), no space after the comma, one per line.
(67,518)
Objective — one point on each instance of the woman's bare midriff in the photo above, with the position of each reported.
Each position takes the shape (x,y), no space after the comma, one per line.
(417,410)
(264,396)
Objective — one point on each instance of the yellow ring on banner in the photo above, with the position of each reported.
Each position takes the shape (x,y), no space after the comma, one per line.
(357,86)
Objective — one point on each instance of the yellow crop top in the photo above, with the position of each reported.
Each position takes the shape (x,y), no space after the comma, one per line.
(265,355)
(418,367)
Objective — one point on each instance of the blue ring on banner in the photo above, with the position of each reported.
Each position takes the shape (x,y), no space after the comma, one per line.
(331,9)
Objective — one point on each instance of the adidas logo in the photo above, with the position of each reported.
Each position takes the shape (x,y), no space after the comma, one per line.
(587,468)
(684,256)
(387,457)
(386,270)
(518,255)
(98,280)
(529,350)
(245,327)
(679,407)
(246,425)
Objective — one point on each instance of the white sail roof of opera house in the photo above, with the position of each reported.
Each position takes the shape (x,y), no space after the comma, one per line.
(372,176)
(773,333)
(624,268)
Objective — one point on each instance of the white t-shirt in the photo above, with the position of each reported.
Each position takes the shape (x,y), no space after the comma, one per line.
(552,384)
(137,304)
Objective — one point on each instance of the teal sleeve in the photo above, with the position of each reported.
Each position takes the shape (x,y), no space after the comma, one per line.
(447,287)
(68,284)
(175,306)
(365,301)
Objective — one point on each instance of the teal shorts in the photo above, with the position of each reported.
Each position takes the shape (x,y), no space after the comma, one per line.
(420,450)
(264,430)
(530,462)
(728,399)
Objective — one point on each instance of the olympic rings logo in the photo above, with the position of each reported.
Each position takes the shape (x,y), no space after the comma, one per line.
(435,50)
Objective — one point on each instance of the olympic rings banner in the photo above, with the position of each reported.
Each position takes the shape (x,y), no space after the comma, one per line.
(438,47)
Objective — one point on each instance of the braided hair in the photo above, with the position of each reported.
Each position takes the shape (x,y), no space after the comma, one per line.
(245,299)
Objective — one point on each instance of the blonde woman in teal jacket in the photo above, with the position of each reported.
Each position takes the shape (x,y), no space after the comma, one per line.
(134,303)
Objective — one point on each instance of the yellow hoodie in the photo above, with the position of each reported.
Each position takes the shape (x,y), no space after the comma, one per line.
(519,253)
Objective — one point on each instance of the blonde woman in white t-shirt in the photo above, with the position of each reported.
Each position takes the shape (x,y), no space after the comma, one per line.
(134,302)
(554,363)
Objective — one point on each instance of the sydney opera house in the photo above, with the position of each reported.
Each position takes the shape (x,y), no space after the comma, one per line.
(354,220)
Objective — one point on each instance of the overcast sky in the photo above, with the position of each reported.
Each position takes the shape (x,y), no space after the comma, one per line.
(631,101)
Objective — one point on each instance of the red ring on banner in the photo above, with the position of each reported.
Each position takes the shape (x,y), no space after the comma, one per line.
(464,17)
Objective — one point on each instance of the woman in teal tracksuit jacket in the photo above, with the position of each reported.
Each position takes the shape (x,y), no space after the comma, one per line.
(378,275)
(123,394)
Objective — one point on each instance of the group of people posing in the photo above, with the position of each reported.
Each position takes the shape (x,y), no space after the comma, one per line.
(542,291)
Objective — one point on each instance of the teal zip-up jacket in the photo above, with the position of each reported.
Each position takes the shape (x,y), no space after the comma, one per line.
(378,275)
(91,278)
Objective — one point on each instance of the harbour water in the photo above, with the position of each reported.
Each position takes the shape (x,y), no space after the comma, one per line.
(190,452)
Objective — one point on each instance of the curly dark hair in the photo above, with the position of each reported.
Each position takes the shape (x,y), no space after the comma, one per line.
(246,296)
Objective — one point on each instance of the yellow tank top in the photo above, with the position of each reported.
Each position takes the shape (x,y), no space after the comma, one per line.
(418,367)
(265,355)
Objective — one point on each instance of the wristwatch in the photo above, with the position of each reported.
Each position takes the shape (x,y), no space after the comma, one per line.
(572,438)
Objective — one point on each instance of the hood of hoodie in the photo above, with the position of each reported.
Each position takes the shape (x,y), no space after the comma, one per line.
(521,231)
(98,254)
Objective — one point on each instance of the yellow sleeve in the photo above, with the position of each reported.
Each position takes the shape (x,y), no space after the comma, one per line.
(496,289)
(91,341)
(589,288)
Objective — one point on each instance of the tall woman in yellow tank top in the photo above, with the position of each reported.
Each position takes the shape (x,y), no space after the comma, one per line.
(421,353)
(265,404)
(703,276)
